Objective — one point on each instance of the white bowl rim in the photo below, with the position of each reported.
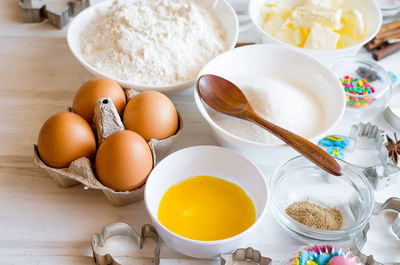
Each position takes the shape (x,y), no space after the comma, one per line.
(367,39)
(213,242)
(207,117)
(319,231)
(124,83)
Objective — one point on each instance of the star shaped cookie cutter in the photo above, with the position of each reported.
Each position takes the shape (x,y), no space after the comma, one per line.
(392,204)
(244,254)
(123,229)
(58,12)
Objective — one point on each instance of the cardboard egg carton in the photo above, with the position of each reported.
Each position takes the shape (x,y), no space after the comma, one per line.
(106,121)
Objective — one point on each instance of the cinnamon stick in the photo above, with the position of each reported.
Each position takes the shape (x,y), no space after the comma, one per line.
(390,26)
(375,43)
(388,33)
(386,51)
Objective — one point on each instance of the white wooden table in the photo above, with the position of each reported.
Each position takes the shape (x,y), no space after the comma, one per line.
(41,223)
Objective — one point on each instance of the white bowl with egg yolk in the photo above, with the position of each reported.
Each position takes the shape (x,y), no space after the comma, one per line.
(212,161)
(372,17)
(288,65)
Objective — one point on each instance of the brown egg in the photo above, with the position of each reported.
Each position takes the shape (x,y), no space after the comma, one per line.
(152,115)
(94,89)
(123,161)
(65,137)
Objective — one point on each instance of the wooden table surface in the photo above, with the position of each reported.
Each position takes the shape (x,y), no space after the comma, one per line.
(41,223)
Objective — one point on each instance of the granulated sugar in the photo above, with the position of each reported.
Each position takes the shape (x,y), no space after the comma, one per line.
(152,42)
(291,107)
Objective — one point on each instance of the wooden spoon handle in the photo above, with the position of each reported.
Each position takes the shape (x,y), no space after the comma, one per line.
(311,151)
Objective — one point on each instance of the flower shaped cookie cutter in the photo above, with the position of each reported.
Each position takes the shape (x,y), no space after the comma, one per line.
(392,204)
(381,173)
(123,229)
(384,172)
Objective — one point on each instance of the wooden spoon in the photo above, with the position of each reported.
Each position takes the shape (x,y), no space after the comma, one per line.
(225,97)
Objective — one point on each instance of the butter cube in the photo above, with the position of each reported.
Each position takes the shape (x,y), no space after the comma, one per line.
(346,41)
(270,12)
(289,36)
(321,38)
(305,17)
(321,3)
(337,3)
(353,24)
(273,25)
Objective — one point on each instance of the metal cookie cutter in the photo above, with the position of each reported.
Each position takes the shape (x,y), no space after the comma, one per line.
(391,113)
(384,172)
(244,254)
(58,12)
(360,240)
(123,229)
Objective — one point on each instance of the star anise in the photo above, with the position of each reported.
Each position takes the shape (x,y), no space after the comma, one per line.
(393,148)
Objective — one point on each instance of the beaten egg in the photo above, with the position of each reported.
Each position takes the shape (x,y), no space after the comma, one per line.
(206,208)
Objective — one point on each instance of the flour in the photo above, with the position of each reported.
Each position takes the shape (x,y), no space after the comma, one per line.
(152,42)
(278,101)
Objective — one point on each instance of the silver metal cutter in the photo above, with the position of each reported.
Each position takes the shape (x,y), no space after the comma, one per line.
(392,204)
(244,254)
(58,12)
(123,229)
(384,172)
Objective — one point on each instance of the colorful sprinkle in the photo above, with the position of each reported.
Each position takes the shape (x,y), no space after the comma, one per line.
(335,151)
(334,140)
(392,76)
(356,86)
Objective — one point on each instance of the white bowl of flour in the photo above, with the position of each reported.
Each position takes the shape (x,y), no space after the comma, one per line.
(152,45)
(284,86)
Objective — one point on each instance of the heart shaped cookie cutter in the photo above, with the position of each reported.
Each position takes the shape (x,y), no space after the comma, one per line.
(123,229)
(392,204)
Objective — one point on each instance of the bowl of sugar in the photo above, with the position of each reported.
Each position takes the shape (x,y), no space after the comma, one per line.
(284,86)
(152,45)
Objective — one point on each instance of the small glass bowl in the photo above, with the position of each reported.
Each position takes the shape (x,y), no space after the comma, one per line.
(300,180)
(367,106)
(315,250)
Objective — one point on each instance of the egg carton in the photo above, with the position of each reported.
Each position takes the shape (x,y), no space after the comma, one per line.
(81,171)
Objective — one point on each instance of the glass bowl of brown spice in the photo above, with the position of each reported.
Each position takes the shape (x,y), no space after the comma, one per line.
(316,206)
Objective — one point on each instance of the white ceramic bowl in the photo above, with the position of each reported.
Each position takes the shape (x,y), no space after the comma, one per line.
(273,60)
(212,161)
(221,9)
(372,17)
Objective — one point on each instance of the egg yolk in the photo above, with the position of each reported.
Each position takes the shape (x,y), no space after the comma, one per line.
(206,208)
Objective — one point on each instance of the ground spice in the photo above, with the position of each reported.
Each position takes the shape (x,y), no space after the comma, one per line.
(315,216)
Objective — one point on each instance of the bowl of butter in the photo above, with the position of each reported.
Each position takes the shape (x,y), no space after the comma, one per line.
(324,29)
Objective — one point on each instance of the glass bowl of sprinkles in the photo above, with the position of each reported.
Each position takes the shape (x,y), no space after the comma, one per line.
(315,206)
(321,255)
(367,86)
